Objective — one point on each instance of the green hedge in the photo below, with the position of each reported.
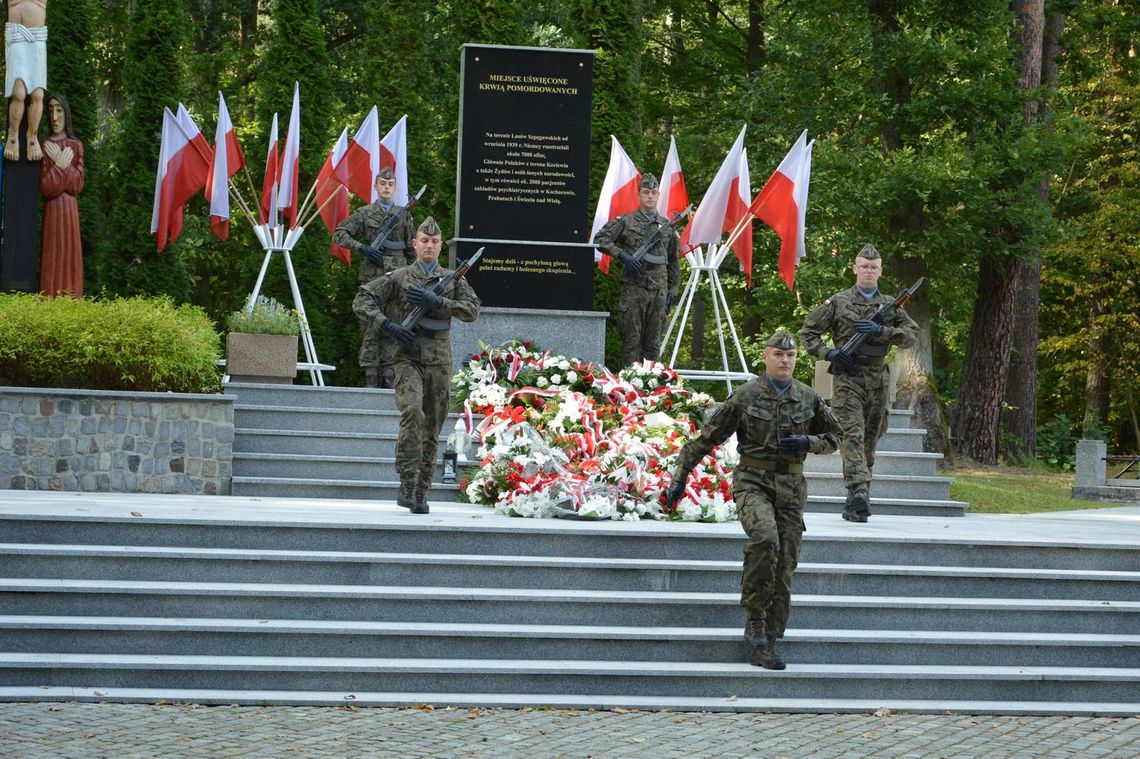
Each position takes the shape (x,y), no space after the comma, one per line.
(144,344)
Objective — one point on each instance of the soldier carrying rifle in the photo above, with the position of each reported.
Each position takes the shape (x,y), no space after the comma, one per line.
(862,378)
(431,295)
(649,284)
(359,232)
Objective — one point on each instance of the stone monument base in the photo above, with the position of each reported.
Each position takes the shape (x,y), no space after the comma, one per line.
(578,334)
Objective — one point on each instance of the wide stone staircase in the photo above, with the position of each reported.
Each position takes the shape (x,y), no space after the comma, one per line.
(332,442)
(254,600)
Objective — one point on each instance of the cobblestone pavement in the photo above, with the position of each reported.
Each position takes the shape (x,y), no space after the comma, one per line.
(120,731)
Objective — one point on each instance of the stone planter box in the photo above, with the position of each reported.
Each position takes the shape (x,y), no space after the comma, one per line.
(261,358)
(99,440)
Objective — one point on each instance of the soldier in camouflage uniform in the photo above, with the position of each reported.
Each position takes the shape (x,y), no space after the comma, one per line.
(423,355)
(358,232)
(862,381)
(648,287)
(778,421)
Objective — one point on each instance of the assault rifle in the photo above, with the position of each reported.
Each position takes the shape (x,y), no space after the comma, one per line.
(881,313)
(651,242)
(390,225)
(413,319)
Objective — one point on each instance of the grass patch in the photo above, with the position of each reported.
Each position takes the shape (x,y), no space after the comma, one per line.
(1008,490)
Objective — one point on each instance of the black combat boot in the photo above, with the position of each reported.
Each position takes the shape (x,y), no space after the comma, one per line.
(755,632)
(854,510)
(421,505)
(407,495)
(767,657)
(370,379)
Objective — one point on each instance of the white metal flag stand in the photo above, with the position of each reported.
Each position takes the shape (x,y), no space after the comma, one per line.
(279,240)
(702,265)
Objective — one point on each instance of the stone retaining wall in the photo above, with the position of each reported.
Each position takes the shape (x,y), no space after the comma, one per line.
(97,440)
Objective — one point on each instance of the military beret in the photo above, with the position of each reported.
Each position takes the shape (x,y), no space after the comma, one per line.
(386,173)
(868,252)
(781,339)
(429,227)
(648,182)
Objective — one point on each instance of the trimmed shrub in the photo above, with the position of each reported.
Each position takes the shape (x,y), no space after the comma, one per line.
(144,344)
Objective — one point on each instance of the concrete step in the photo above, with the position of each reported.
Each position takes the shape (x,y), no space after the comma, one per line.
(310,443)
(364,398)
(830,501)
(886,462)
(335,638)
(551,606)
(625,678)
(64,562)
(221,696)
(393,530)
(883,486)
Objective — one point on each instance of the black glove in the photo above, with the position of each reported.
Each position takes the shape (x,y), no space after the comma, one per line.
(631,265)
(676,489)
(842,358)
(874,329)
(429,299)
(400,333)
(669,298)
(372,254)
(794,444)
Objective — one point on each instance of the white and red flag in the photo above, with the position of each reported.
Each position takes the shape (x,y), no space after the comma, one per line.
(782,205)
(361,163)
(334,211)
(289,174)
(184,160)
(618,196)
(394,156)
(268,214)
(228,160)
(724,206)
(674,198)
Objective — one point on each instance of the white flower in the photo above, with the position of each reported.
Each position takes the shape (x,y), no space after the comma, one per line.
(542,382)
(638,383)
(564,365)
(556,379)
(571,377)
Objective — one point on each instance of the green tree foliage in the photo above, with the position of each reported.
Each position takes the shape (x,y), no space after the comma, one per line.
(152,77)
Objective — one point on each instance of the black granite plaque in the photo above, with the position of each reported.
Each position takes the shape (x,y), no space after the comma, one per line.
(524,164)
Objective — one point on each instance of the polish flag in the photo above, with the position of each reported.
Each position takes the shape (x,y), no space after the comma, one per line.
(361,162)
(268,213)
(782,205)
(723,208)
(289,174)
(334,211)
(618,196)
(674,198)
(394,155)
(184,160)
(228,160)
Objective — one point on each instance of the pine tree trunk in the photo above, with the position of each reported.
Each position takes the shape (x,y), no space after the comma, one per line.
(975,425)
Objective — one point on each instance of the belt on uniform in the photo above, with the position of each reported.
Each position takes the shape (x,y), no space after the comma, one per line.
(861,360)
(772,465)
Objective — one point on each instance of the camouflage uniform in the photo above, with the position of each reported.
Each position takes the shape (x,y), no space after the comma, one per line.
(422,378)
(642,310)
(860,401)
(770,501)
(360,229)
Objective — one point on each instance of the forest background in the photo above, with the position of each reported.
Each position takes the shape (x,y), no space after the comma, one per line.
(988,145)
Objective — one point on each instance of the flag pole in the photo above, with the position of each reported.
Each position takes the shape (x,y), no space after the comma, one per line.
(302,208)
(317,212)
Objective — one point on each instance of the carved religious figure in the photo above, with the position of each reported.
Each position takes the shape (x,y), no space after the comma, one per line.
(25,73)
(61,179)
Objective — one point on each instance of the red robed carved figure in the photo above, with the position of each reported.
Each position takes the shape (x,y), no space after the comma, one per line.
(61,179)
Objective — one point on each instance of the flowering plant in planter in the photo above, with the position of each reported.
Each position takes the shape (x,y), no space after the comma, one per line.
(560,437)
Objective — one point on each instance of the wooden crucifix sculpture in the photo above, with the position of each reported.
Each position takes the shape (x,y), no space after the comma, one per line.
(25,73)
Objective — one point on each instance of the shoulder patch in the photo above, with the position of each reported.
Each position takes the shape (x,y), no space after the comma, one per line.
(826,302)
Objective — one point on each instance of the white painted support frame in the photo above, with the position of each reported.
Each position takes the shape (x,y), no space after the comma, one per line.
(700,264)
